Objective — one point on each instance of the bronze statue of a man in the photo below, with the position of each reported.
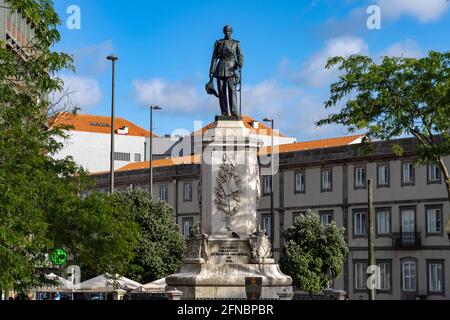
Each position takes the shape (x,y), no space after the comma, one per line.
(226,63)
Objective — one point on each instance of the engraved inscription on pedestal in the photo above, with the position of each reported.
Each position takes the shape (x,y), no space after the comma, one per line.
(229,252)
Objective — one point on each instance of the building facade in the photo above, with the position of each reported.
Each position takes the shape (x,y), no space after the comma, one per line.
(330,177)
(89,141)
(16,31)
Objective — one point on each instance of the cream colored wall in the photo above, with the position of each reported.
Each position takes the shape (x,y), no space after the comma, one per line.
(313,195)
(188,206)
(396,256)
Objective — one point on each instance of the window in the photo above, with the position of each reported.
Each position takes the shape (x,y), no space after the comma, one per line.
(435,277)
(408,220)
(383,175)
(383,222)
(120,156)
(326,217)
(300,182)
(360,178)
(327,180)
(187,191)
(267,185)
(409,276)
(360,223)
(360,271)
(434,174)
(407,173)
(296,216)
(385,276)
(187,224)
(434,223)
(137,157)
(267,225)
(163,192)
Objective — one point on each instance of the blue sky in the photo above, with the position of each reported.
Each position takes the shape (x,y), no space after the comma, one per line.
(165,50)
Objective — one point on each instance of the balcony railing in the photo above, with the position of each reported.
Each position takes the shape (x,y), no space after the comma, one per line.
(406,240)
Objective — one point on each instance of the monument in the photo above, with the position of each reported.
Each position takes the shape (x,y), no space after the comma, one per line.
(228,250)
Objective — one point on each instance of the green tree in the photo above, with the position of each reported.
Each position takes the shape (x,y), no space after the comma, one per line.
(314,254)
(40,207)
(395,97)
(161,247)
(30,180)
(97,233)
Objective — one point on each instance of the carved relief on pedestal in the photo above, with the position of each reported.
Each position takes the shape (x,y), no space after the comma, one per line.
(261,247)
(197,246)
(228,191)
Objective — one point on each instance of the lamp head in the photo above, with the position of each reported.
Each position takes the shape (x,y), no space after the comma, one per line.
(156,107)
(112,57)
(267,120)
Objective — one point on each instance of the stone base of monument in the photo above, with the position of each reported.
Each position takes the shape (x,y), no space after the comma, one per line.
(229,256)
(225,273)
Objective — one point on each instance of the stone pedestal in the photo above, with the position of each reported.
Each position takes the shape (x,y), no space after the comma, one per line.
(228,248)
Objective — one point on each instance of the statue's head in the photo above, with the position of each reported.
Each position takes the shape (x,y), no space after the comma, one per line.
(227,31)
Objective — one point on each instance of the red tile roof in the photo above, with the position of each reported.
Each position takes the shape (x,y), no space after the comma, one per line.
(97,124)
(315,144)
(161,163)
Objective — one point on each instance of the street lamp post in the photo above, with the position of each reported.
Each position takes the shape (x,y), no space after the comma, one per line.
(113,59)
(151,148)
(271,166)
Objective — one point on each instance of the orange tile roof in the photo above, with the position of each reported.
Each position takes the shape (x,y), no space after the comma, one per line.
(292,147)
(315,144)
(97,124)
(262,129)
(161,163)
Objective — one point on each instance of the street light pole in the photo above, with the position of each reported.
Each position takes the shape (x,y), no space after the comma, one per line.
(271,166)
(113,59)
(371,240)
(151,148)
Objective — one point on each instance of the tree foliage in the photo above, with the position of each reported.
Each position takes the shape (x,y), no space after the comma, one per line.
(40,207)
(161,247)
(314,254)
(395,97)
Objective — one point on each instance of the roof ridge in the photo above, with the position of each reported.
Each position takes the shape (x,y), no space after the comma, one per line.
(334,138)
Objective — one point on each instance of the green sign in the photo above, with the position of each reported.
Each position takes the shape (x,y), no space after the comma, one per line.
(58,257)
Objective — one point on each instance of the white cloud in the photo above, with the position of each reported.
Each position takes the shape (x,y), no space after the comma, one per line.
(176,97)
(84,92)
(91,60)
(424,10)
(314,72)
(407,49)
(294,110)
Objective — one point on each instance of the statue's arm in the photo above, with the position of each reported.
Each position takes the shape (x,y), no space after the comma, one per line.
(240,56)
(212,69)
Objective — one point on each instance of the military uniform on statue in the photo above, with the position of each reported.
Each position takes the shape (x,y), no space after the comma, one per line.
(226,66)
(229,255)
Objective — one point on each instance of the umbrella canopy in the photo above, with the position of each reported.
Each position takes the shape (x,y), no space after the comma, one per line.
(107,283)
(155,286)
(63,285)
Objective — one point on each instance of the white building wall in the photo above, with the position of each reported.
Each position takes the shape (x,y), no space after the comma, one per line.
(92,150)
